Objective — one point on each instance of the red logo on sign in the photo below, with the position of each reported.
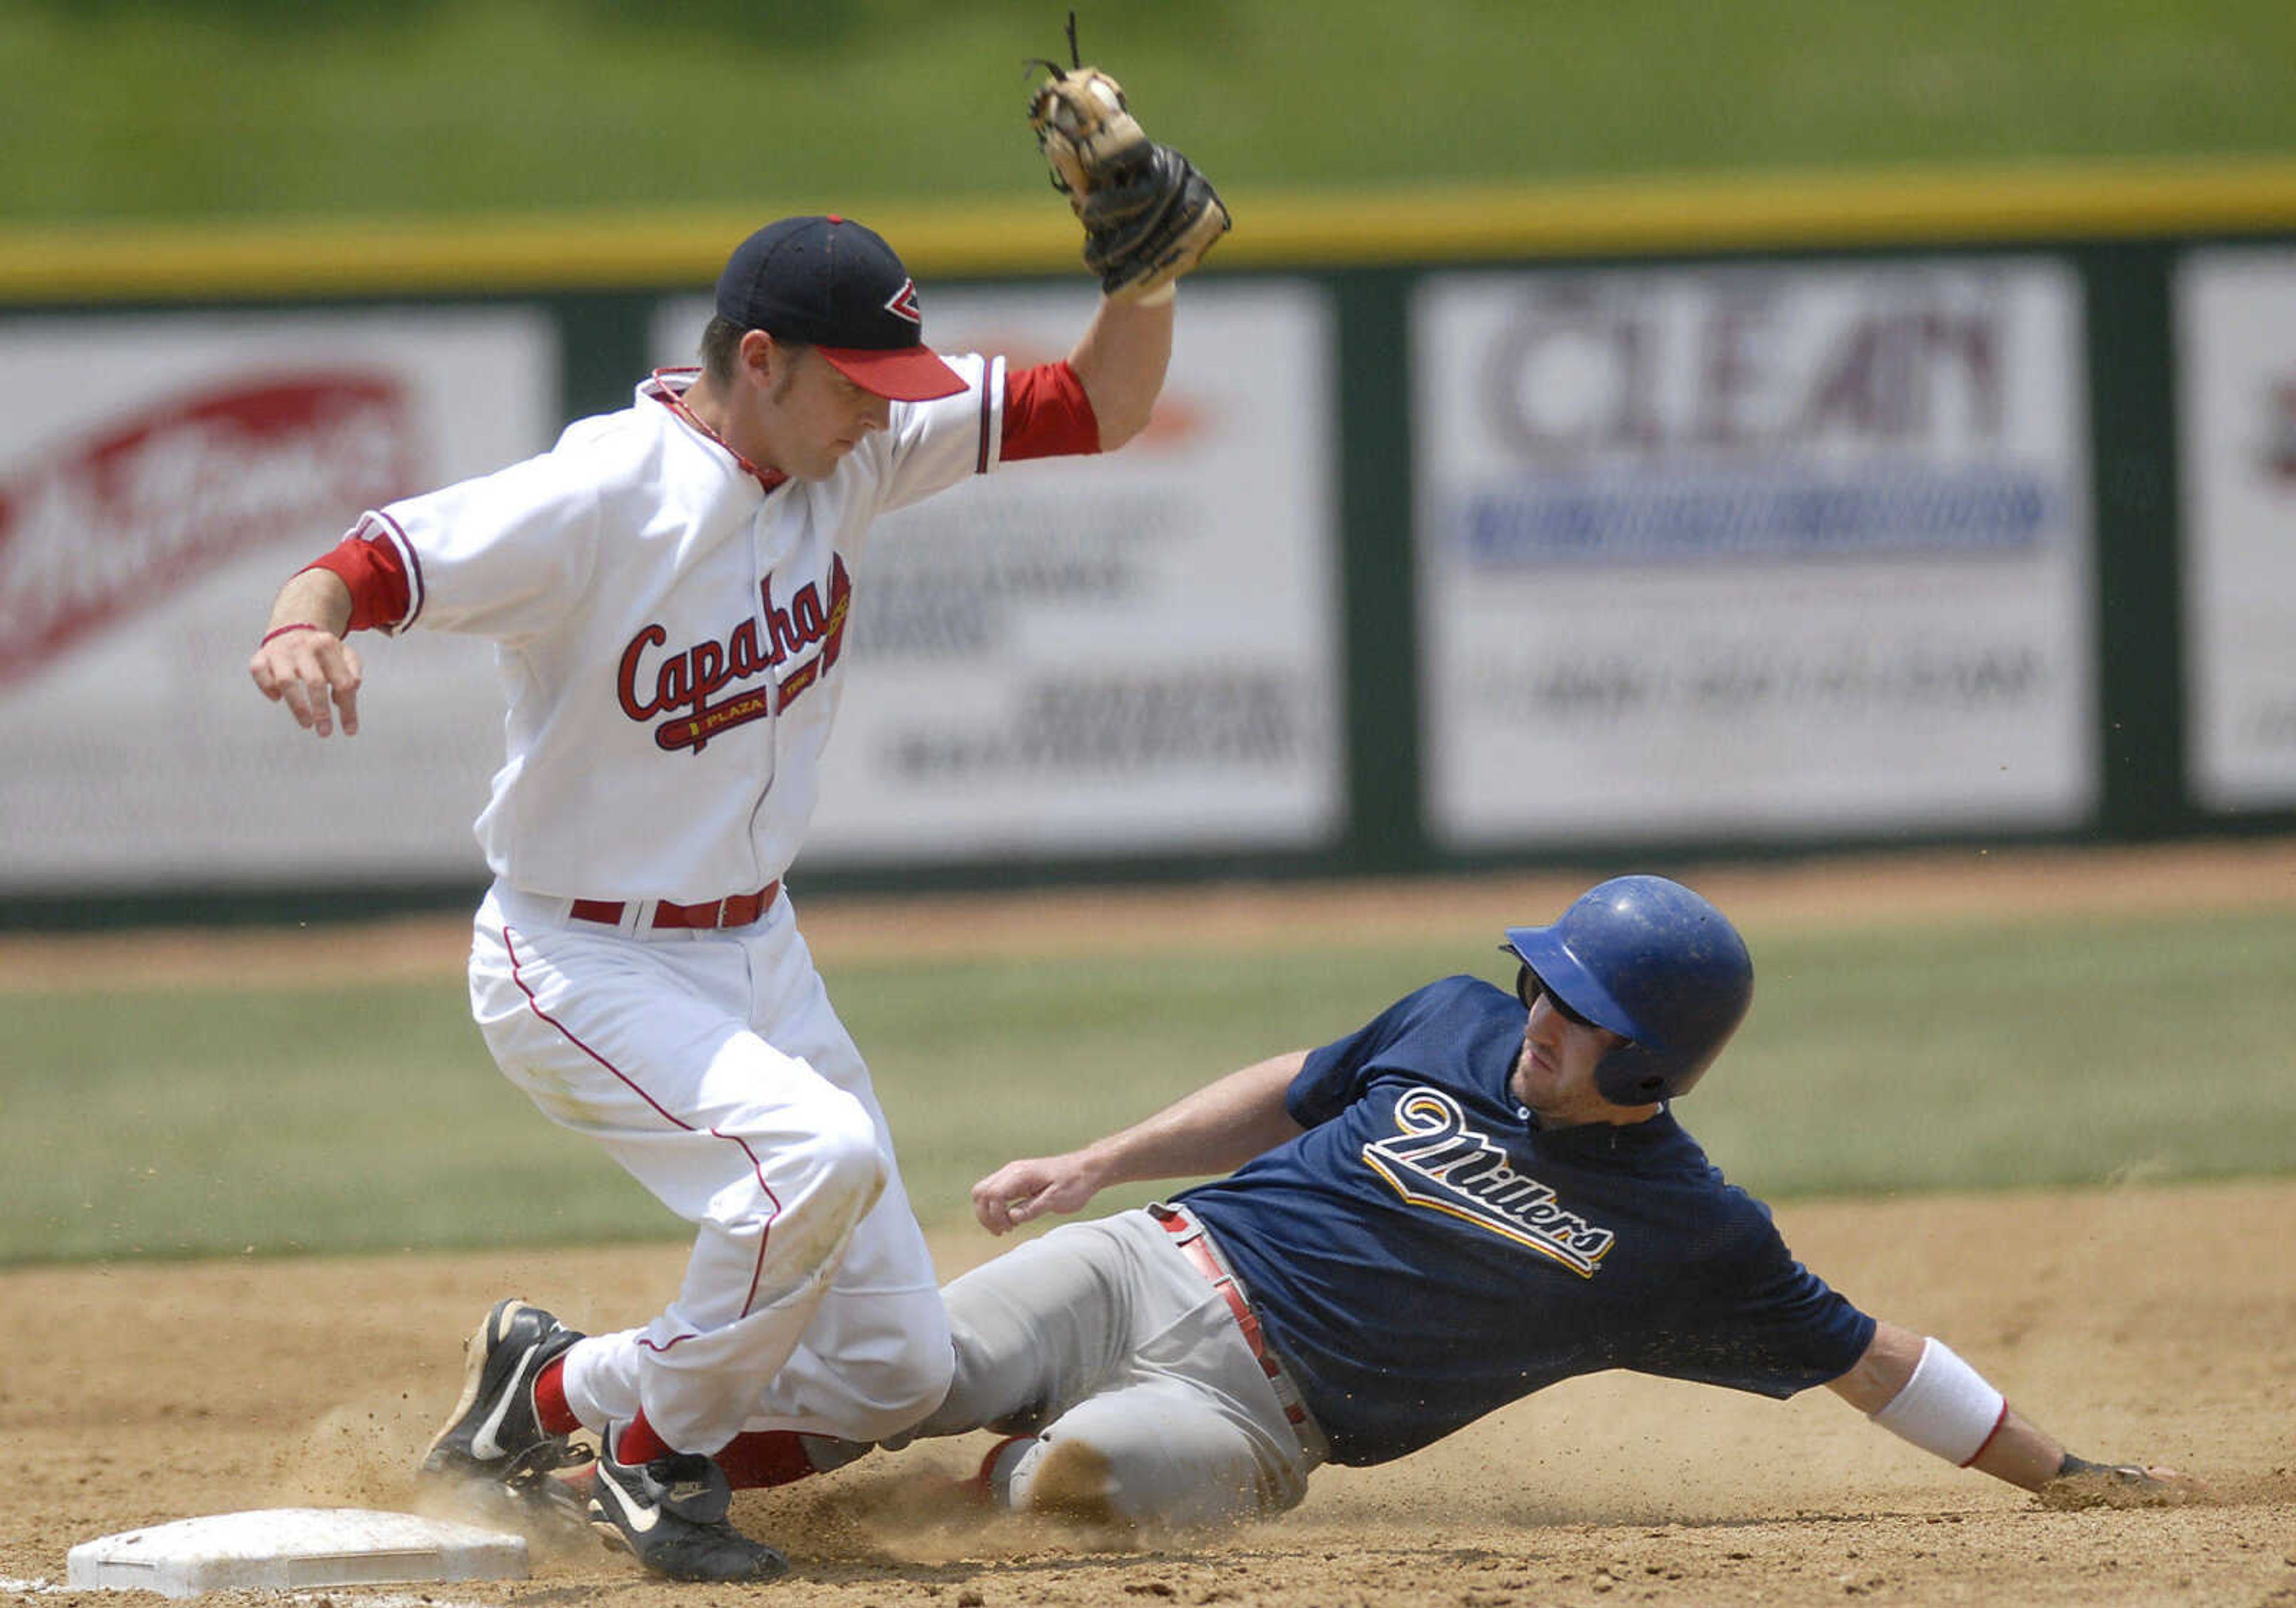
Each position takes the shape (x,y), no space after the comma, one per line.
(904,304)
(106,526)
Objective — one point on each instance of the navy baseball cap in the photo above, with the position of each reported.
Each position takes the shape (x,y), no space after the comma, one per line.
(837,286)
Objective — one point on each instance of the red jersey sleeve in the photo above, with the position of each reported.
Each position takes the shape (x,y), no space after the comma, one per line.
(369,565)
(1047,414)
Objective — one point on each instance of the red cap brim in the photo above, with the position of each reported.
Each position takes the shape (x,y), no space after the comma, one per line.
(903,374)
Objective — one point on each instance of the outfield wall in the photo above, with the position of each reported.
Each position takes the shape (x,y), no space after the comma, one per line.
(1632,522)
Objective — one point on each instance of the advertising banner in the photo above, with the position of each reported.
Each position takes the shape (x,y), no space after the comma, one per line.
(1111,655)
(1767,550)
(160,475)
(2236,358)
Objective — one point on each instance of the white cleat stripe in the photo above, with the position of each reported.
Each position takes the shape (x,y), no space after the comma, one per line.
(640,1519)
(483,1445)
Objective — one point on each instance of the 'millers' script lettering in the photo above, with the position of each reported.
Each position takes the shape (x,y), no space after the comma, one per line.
(1438,1162)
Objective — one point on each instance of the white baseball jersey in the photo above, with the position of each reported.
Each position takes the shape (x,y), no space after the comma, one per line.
(669,633)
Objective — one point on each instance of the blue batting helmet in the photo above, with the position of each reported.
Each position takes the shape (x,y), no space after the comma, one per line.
(1657,965)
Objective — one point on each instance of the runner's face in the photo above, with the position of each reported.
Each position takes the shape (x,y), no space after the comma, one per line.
(1554,1070)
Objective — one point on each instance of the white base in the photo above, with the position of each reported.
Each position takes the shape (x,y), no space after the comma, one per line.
(289,1548)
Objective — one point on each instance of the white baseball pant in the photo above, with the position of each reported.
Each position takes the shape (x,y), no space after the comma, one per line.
(1103,1340)
(710,1065)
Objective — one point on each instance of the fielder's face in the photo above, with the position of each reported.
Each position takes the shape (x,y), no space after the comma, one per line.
(1554,1071)
(811,416)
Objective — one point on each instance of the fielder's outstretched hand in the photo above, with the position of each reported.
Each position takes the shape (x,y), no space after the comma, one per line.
(312,671)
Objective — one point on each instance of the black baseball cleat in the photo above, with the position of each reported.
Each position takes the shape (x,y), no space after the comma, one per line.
(493,1434)
(670,1515)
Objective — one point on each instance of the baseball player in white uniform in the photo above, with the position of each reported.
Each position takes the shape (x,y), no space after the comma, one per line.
(669,592)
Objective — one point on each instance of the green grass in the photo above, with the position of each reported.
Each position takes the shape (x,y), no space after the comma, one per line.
(175,1122)
(261,108)
(2022,1055)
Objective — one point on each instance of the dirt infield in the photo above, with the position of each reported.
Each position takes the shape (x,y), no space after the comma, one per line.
(2155,1323)
(2141,1322)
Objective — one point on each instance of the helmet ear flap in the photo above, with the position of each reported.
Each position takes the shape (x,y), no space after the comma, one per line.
(1632,1075)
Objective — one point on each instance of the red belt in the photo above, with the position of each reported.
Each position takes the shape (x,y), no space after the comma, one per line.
(738,910)
(1189,1234)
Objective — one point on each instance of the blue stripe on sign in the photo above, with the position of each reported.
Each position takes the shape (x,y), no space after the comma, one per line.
(1799,512)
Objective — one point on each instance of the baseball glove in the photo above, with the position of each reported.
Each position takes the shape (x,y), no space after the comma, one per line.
(1148,216)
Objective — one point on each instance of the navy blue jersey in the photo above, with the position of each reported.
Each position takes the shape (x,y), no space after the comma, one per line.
(1426,1253)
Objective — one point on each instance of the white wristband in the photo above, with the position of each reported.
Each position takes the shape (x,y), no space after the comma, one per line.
(1946,1407)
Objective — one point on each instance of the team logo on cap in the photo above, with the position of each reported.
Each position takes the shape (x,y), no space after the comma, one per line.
(904,304)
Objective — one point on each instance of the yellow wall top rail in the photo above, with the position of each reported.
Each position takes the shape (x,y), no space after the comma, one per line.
(94,264)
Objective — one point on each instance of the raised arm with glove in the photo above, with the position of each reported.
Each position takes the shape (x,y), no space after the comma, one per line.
(1148,216)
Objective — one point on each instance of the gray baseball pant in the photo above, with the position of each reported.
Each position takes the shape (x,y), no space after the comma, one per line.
(1116,1351)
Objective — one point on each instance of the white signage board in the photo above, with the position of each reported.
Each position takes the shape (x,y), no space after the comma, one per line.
(2237,368)
(160,475)
(1765,551)
(1108,655)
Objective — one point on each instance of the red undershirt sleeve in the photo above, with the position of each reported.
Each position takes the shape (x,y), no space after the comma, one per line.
(370,567)
(1047,414)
